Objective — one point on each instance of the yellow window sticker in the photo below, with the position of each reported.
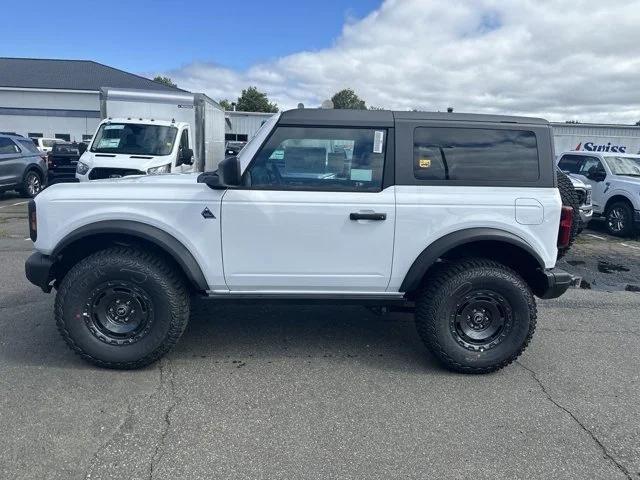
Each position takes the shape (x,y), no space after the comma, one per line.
(425,163)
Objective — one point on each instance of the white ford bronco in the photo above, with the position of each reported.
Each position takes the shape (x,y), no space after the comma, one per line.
(455,216)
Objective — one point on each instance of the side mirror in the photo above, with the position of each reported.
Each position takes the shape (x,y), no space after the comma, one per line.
(185,157)
(229,171)
(227,175)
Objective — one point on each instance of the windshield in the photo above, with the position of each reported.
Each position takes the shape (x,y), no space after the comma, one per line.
(624,165)
(134,139)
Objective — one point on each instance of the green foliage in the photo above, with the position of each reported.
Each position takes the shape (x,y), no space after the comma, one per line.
(165,81)
(347,99)
(253,100)
(225,104)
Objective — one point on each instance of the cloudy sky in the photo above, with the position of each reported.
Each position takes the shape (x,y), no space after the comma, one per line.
(558,59)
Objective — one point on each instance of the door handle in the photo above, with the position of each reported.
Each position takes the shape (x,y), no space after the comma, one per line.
(368,216)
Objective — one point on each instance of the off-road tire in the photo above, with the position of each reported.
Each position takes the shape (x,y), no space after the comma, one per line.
(569,199)
(626,211)
(160,287)
(26,189)
(438,304)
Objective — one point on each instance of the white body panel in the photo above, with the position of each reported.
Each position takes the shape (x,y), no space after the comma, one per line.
(425,214)
(301,240)
(172,203)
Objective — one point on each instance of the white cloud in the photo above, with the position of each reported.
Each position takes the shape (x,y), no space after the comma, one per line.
(559,59)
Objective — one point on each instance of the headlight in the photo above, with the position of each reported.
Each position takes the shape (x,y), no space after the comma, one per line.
(82,168)
(161,169)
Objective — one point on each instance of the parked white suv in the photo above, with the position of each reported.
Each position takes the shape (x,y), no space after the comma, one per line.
(456,216)
(615,182)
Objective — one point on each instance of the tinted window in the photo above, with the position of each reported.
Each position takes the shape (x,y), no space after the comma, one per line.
(35,135)
(570,163)
(475,154)
(320,159)
(7,146)
(28,146)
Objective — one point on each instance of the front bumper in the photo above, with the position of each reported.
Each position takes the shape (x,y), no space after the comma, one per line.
(39,270)
(586,213)
(556,282)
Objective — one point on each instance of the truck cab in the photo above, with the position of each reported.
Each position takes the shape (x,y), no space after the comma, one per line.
(122,147)
(615,181)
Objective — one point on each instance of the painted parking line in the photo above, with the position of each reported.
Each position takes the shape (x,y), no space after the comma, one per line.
(596,236)
(630,246)
(13,204)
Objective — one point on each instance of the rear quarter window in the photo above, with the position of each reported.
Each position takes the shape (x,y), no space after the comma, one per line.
(475,155)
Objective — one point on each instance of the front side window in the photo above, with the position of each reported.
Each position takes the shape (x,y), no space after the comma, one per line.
(349,159)
(629,166)
(475,154)
(589,166)
(134,139)
(7,146)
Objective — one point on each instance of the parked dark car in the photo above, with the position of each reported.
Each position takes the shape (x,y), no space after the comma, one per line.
(63,160)
(233,148)
(22,166)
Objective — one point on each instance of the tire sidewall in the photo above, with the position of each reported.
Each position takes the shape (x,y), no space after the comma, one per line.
(628,219)
(88,276)
(514,291)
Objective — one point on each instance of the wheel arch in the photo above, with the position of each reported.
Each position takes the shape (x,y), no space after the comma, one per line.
(96,236)
(500,245)
(618,197)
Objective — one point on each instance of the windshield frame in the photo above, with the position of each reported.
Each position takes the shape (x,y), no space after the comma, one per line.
(155,153)
(611,159)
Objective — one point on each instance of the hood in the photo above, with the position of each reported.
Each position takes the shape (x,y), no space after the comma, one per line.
(139,162)
(577,183)
(165,178)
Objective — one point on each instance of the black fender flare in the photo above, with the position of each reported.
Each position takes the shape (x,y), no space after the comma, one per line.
(456,239)
(163,240)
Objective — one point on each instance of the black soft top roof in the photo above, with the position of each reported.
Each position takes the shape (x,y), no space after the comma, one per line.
(386,118)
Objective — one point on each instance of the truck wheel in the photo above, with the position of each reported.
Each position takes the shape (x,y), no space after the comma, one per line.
(122,308)
(31,184)
(476,315)
(619,217)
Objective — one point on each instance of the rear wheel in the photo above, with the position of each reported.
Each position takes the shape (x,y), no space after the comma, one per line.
(31,184)
(476,315)
(122,308)
(619,217)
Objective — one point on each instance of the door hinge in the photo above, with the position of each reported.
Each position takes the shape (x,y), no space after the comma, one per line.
(206,213)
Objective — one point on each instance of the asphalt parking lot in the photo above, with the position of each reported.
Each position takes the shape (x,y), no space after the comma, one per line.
(326,392)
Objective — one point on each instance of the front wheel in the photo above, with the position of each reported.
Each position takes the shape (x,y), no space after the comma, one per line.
(122,308)
(476,315)
(619,218)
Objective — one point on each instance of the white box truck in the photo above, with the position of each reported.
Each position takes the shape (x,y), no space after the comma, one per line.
(151,132)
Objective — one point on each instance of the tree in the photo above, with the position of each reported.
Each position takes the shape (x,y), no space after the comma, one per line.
(225,104)
(165,81)
(347,99)
(253,100)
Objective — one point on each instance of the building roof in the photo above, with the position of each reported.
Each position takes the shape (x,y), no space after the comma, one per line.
(70,75)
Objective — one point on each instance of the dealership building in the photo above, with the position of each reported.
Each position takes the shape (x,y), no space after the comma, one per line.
(59,98)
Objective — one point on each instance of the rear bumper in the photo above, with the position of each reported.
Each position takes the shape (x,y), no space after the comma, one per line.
(39,270)
(557,282)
